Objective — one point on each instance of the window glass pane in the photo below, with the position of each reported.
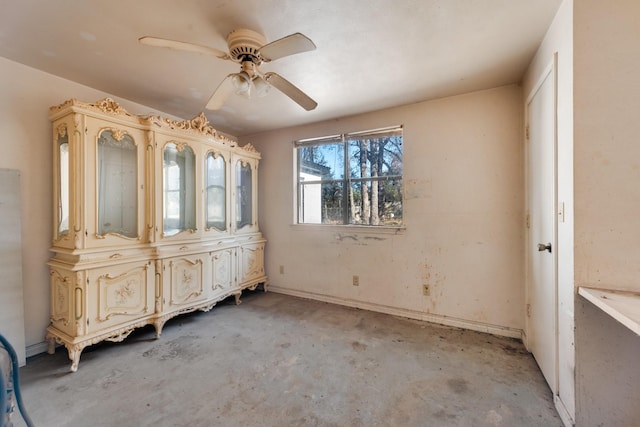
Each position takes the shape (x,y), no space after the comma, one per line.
(359,203)
(390,202)
(373,157)
(318,162)
(244,200)
(390,156)
(63,190)
(117,178)
(179,186)
(376,202)
(359,154)
(321,203)
(216,199)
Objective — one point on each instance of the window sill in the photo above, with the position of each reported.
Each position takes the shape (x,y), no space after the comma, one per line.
(351,229)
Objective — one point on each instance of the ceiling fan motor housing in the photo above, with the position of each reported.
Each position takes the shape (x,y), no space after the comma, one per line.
(244,45)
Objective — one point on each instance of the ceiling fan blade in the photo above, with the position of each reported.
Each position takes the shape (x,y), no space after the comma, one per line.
(178,45)
(222,92)
(289,45)
(284,86)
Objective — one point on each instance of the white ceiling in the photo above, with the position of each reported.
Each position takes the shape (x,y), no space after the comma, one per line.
(371,54)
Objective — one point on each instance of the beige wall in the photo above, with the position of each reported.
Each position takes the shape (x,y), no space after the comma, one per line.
(558,42)
(25,143)
(607,204)
(463,211)
(607,156)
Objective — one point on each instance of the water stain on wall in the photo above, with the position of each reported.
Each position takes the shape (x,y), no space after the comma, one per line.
(434,281)
(417,189)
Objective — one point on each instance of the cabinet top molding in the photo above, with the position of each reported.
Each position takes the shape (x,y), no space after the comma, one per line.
(199,125)
(106,105)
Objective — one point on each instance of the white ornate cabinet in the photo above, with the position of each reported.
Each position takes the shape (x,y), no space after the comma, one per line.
(152,218)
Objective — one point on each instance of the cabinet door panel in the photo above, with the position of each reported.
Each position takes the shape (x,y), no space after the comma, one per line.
(119,294)
(117,183)
(186,284)
(244,195)
(224,277)
(251,262)
(178,193)
(216,194)
(114,184)
(68,199)
(63,284)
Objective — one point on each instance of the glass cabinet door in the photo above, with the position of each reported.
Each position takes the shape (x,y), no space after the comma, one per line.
(216,199)
(179,201)
(63,184)
(117,184)
(244,195)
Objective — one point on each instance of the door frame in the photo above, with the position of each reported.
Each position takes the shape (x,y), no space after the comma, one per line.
(550,70)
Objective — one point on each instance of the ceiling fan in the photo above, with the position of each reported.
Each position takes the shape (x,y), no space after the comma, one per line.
(250,50)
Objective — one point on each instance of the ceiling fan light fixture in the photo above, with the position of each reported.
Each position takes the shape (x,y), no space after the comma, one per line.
(261,87)
(242,84)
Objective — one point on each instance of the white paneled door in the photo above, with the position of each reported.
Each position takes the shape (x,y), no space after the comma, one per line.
(541,241)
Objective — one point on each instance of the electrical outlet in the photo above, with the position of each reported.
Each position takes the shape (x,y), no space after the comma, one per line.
(426,289)
(356,281)
(282,269)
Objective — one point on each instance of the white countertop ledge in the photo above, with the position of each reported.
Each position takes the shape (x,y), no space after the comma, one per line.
(624,306)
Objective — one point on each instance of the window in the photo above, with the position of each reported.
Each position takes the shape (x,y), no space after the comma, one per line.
(354,178)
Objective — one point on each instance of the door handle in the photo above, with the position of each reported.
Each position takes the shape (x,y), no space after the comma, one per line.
(542,247)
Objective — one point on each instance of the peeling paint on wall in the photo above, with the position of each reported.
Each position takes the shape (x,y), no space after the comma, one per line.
(340,237)
(355,239)
(379,239)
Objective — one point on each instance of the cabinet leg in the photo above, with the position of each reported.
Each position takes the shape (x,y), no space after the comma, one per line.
(238,302)
(74,356)
(158,324)
(51,348)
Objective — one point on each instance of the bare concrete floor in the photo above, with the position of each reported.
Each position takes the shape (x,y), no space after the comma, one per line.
(277,360)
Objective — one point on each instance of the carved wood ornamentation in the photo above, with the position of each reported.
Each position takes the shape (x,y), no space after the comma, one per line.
(249,147)
(106,105)
(198,125)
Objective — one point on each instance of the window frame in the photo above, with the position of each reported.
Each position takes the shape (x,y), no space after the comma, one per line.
(346,180)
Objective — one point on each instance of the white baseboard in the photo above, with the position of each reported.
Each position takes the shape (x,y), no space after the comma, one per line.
(403,312)
(566,418)
(38,348)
